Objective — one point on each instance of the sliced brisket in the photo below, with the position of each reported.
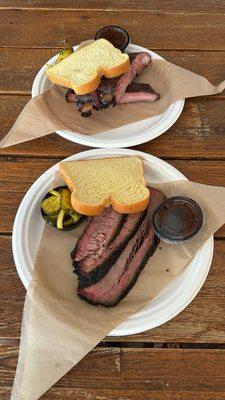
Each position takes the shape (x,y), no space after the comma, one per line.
(101,230)
(121,277)
(91,268)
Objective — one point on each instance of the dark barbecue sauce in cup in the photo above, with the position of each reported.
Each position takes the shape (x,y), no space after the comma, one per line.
(115,35)
(178,219)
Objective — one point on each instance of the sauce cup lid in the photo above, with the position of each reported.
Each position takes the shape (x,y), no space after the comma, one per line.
(178,219)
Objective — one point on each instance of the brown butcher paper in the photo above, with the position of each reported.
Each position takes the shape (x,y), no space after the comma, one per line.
(59,328)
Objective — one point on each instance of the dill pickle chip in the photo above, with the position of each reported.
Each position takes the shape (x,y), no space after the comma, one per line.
(51,205)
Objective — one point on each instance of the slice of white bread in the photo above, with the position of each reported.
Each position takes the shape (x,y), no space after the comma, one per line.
(99,183)
(82,70)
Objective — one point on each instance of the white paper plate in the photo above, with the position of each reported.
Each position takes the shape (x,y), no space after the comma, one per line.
(129,135)
(173,299)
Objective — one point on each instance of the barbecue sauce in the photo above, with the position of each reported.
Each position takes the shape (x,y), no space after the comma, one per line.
(178,219)
(115,35)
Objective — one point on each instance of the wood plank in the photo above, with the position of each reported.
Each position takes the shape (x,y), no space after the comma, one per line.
(201,322)
(160,371)
(18,174)
(111,394)
(153,5)
(198,133)
(177,30)
(17,77)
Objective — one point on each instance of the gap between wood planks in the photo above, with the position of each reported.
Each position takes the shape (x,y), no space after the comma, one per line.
(136,345)
(109,9)
(155,49)
(14,156)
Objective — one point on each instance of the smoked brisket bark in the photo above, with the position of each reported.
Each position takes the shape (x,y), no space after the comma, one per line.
(93,267)
(121,277)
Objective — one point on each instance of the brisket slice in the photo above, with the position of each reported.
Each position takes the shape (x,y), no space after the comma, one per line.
(91,269)
(121,277)
(101,230)
(137,91)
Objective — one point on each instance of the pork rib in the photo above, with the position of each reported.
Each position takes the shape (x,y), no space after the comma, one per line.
(121,277)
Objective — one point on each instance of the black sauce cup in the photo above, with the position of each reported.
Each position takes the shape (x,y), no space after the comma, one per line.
(67,228)
(177,220)
(116,35)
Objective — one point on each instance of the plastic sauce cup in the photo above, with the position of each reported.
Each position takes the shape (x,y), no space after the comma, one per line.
(179,219)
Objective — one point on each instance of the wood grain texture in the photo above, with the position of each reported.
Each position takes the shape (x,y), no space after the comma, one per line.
(198,133)
(18,77)
(111,394)
(177,30)
(151,5)
(188,33)
(153,371)
(201,322)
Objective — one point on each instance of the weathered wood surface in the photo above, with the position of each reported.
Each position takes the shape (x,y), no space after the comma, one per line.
(187,33)
(201,322)
(158,30)
(151,5)
(134,374)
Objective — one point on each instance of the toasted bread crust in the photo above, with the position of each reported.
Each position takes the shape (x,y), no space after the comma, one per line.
(92,210)
(92,85)
(96,209)
(131,208)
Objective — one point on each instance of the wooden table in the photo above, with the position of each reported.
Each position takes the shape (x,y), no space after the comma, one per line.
(185,358)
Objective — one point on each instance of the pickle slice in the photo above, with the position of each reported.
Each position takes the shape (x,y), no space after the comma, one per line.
(60,219)
(54,192)
(65,202)
(51,219)
(75,216)
(64,53)
(68,222)
(51,205)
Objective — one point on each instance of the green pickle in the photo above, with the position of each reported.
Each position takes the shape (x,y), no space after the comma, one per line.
(54,193)
(65,201)
(60,219)
(58,211)
(75,217)
(51,219)
(64,53)
(51,205)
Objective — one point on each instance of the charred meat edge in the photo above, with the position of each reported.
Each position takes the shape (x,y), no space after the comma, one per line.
(146,230)
(131,284)
(96,274)
(109,236)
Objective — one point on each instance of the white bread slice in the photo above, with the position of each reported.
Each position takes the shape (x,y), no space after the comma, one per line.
(99,183)
(82,70)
